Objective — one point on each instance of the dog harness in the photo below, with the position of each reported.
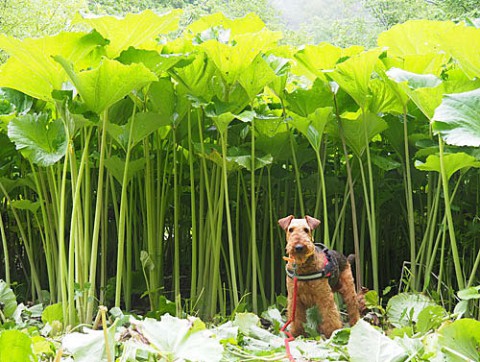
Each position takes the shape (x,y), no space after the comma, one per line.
(330,270)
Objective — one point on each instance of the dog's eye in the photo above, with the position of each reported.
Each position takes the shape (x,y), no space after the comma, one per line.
(306,230)
(290,230)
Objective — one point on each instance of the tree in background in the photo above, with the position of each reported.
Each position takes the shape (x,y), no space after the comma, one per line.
(25,18)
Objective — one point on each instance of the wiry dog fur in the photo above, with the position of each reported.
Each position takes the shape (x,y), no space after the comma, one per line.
(319,292)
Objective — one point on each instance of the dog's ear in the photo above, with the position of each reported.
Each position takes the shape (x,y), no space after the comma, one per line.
(285,222)
(312,222)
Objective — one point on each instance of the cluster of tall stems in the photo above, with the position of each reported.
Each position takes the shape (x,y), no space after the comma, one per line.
(163,173)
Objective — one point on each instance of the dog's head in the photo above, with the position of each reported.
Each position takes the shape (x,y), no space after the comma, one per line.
(299,236)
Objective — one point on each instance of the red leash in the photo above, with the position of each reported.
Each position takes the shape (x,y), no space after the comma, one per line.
(290,337)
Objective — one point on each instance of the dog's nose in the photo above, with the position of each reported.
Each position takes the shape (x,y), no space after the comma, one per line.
(298,248)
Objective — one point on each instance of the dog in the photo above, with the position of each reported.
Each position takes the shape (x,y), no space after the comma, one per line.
(319,272)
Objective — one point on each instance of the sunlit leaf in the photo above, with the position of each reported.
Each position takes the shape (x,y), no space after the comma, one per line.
(415,37)
(53,312)
(134,30)
(369,344)
(314,60)
(108,83)
(425,90)
(305,101)
(462,42)
(181,339)
(15,346)
(457,119)
(40,139)
(31,68)
(90,346)
(354,75)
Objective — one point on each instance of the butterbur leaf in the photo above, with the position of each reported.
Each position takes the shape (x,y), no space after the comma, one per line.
(460,340)
(16,346)
(40,139)
(108,83)
(430,318)
(116,167)
(415,37)
(181,339)
(452,163)
(134,30)
(7,299)
(354,74)
(457,119)
(469,293)
(403,309)
(90,346)
(53,313)
(31,69)
(369,344)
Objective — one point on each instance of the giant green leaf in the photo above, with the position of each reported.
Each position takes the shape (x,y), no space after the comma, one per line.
(314,60)
(91,344)
(304,101)
(142,125)
(134,30)
(31,68)
(233,58)
(451,162)
(369,344)
(313,126)
(463,43)
(457,119)
(354,75)
(16,346)
(40,139)
(403,309)
(425,90)
(108,83)
(359,129)
(415,37)
(116,167)
(460,340)
(181,339)
(8,300)
(196,76)
(256,76)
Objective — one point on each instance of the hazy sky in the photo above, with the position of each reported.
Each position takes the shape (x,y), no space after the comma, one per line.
(296,12)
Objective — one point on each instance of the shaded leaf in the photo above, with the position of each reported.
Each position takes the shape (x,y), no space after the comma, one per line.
(40,139)
(403,309)
(116,167)
(452,162)
(8,300)
(460,340)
